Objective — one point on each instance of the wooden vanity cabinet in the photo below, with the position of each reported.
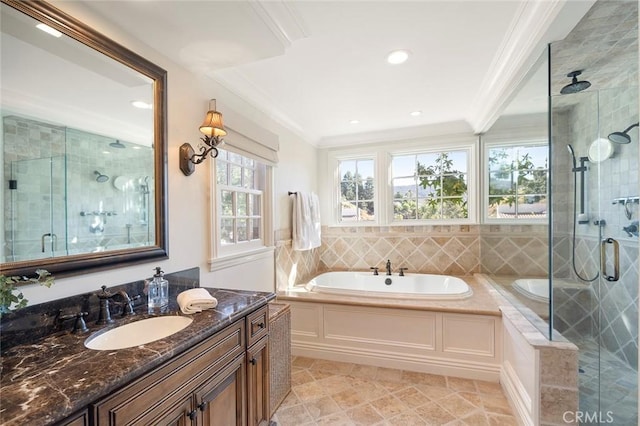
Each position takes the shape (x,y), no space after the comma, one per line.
(258,383)
(222,381)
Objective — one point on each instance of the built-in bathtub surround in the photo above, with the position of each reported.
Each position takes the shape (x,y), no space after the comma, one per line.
(430,249)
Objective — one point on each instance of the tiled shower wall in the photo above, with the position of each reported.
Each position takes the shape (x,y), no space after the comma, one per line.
(58,165)
(610,309)
(436,249)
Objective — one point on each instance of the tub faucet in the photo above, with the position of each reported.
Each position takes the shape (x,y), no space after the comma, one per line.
(388,267)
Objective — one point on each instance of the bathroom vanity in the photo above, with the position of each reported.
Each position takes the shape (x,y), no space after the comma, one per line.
(213,372)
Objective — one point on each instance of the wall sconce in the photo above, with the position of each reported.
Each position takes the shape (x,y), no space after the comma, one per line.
(213,130)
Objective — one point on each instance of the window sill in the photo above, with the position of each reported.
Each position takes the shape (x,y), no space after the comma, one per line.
(237,259)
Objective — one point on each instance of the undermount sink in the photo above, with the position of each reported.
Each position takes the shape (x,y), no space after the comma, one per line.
(137,333)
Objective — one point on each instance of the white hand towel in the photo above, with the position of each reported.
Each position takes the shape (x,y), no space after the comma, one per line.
(196,300)
(306,221)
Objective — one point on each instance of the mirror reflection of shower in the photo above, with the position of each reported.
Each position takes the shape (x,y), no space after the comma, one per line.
(581,218)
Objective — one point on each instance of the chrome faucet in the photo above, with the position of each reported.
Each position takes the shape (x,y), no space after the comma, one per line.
(388,267)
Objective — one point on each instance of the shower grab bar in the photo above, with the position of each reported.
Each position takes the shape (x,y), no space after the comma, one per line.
(616,259)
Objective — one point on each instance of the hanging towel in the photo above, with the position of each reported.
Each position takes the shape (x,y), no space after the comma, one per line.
(196,300)
(306,221)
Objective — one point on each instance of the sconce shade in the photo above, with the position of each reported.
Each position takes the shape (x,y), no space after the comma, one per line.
(212,125)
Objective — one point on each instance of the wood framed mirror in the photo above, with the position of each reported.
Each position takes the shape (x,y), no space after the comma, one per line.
(84,171)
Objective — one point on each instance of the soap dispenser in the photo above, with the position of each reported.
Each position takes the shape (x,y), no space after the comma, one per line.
(158,294)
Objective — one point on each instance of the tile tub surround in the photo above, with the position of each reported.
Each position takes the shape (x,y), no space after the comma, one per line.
(482,302)
(336,393)
(429,249)
(42,383)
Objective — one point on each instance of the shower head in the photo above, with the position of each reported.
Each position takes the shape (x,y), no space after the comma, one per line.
(575,86)
(622,137)
(117,144)
(100,177)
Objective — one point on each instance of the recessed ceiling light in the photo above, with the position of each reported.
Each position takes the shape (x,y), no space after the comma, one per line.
(47,29)
(416,113)
(141,105)
(354,122)
(398,57)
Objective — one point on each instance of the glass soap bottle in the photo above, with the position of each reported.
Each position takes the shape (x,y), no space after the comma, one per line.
(158,294)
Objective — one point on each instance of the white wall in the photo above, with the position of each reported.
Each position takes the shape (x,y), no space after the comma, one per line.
(188,213)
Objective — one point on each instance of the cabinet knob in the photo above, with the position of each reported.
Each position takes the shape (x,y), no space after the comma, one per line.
(202,406)
(253,361)
(193,414)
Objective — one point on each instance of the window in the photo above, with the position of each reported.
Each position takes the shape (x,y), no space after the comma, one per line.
(430,185)
(240,185)
(357,189)
(517,181)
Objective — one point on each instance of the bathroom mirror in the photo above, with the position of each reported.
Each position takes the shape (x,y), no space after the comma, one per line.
(84,169)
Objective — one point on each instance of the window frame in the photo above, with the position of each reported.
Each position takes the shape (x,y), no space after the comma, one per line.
(336,189)
(510,143)
(383,188)
(470,149)
(223,256)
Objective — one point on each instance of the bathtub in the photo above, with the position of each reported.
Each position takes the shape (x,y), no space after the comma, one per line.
(414,286)
(538,288)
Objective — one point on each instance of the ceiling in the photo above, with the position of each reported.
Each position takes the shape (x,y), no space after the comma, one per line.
(314,66)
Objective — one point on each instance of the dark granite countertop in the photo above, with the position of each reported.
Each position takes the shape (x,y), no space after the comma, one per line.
(48,380)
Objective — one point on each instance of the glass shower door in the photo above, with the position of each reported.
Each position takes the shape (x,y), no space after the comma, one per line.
(615,159)
(37,208)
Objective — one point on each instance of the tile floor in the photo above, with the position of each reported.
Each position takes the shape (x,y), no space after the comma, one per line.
(607,384)
(342,394)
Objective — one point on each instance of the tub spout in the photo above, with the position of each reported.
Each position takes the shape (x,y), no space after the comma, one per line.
(388,267)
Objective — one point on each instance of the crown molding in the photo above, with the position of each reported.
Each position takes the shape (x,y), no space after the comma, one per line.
(240,86)
(519,50)
(282,19)
(405,133)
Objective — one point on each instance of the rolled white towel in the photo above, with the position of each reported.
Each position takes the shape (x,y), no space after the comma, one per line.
(196,300)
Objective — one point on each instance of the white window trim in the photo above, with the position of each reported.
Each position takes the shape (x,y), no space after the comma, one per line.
(221,259)
(486,146)
(334,172)
(383,191)
(472,186)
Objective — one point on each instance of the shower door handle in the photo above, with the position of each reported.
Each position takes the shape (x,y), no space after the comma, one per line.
(616,259)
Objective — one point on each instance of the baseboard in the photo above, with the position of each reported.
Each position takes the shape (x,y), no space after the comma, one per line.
(517,396)
(424,364)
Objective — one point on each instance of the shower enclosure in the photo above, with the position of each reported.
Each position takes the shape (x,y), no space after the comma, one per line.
(73,191)
(595,210)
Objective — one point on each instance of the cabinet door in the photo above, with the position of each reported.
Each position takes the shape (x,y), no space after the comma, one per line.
(221,400)
(258,383)
(180,414)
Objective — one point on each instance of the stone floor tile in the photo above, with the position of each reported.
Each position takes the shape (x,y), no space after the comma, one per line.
(424,378)
(293,416)
(348,399)
(308,391)
(335,367)
(457,405)
(338,419)
(408,418)
(434,414)
(364,415)
(322,407)
(302,362)
(412,397)
(459,384)
(389,406)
